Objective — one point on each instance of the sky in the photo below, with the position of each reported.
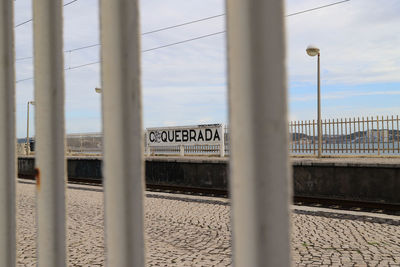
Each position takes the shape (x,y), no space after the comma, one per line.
(186,84)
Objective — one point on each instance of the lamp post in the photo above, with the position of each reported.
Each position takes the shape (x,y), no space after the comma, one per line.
(27,127)
(314,51)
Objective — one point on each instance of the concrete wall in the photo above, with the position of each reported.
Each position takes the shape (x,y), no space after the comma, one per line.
(358,182)
(26,167)
(201,173)
(78,168)
(347,181)
(87,168)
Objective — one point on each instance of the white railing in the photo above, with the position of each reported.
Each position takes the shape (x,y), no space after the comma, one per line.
(85,143)
(50,130)
(259,160)
(7,136)
(259,176)
(91,144)
(374,136)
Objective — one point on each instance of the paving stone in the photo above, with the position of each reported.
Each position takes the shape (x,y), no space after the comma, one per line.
(195,231)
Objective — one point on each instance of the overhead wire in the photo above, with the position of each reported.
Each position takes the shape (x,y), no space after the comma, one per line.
(176,43)
(149,32)
(188,23)
(184,41)
(316,8)
(143,51)
(29,20)
(184,24)
(66,4)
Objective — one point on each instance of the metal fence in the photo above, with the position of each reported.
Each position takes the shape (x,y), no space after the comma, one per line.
(257,100)
(350,136)
(91,144)
(88,144)
(85,143)
(374,136)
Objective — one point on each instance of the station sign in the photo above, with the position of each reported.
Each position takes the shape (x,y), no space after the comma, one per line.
(207,134)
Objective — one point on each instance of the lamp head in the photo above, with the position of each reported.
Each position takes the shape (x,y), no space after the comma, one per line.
(312,50)
(32,103)
(98,90)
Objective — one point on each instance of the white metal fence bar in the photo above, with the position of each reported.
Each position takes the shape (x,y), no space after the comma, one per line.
(222,143)
(7,135)
(49,119)
(373,136)
(397,134)
(258,120)
(349,136)
(123,133)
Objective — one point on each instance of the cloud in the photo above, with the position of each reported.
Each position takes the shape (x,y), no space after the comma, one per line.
(186,84)
(184,105)
(359,42)
(342,95)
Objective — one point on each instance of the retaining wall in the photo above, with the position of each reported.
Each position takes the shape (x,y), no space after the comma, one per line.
(373,182)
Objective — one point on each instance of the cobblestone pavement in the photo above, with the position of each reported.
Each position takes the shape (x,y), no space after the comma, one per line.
(195,231)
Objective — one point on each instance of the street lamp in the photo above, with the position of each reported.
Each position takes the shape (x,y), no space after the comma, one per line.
(27,126)
(98,90)
(314,51)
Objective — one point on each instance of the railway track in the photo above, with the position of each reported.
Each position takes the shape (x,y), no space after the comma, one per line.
(332,203)
(344,204)
(297,200)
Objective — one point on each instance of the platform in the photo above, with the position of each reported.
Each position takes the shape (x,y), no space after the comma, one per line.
(184,230)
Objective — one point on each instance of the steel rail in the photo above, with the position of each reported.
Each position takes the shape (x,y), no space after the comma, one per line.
(218,192)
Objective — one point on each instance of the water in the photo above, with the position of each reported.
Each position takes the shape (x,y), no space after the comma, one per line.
(347,149)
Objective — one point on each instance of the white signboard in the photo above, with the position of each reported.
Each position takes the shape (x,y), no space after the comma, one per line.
(210,134)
